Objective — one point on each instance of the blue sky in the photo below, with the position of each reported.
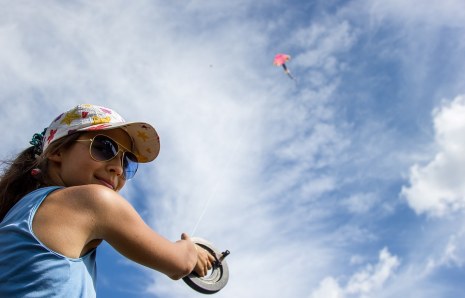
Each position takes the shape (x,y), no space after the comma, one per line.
(344,183)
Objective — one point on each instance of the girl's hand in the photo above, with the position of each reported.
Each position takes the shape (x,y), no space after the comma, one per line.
(205,261)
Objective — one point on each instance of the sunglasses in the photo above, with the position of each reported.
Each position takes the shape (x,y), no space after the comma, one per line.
(103,148)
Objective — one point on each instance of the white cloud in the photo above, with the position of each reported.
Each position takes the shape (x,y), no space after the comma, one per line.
(328,288)
(437,188)
(364,283)
(451,254)
(360,203)
(372,278)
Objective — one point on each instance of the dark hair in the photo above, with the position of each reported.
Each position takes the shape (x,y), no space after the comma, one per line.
(16,179)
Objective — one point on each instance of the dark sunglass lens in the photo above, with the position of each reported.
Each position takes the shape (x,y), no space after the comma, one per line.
(130,165)
(103,148)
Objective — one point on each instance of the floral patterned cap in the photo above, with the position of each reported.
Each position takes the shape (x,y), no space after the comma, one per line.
(88,117)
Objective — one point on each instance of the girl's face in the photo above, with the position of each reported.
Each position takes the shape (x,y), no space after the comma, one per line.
(74,166)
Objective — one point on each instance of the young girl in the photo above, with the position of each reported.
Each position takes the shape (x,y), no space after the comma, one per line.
(59,200)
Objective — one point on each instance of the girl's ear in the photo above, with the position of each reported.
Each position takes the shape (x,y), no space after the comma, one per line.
(55,156)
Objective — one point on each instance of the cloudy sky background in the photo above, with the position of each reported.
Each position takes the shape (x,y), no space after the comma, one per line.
(347,182)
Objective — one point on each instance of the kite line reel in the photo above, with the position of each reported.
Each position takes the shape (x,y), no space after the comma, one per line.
(219,275)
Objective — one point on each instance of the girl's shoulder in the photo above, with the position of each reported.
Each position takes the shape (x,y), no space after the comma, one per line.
(91,196)
(85,191)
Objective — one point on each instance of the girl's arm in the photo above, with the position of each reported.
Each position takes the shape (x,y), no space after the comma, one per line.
(101,213)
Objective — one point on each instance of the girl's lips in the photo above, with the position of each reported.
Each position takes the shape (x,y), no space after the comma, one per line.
(106,183)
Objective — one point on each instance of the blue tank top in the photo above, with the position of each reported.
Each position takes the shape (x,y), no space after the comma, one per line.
(29,269)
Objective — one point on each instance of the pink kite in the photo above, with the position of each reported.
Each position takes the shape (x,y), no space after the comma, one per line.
(280,60)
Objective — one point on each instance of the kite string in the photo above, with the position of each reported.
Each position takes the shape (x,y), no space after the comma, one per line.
(215,188)
(280,59)
(202,214)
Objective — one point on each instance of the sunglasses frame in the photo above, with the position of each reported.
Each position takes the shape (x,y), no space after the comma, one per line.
(119,146)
